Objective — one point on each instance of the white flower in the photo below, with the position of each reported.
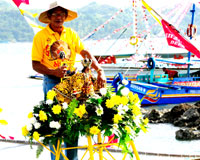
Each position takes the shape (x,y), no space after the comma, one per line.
(103,91)
(99,111)
(115,126)
(125,91)
(54,124)
(138,105)
(37,125)
(125,108)
(65,105)
(119,86)
(41,139)
(120,109)
(49,101)
(32,120)
(115,129)
(29,127)
(124,82)
(137,121)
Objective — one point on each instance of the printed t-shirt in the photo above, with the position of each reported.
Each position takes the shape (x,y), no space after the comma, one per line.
(46,37)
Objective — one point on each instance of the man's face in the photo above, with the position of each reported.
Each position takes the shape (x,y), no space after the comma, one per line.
(58,17)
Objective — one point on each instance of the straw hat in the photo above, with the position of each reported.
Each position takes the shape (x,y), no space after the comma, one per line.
(44,18)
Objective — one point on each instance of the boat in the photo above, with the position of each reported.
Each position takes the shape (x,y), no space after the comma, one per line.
(159,89)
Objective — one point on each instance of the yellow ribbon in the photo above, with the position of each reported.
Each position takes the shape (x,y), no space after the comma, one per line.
(152,12)
(29,13)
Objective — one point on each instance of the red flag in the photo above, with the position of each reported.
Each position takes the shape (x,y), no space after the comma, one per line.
(18,2)
(175,39)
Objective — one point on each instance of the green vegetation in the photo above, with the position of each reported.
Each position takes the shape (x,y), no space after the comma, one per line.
(14,27)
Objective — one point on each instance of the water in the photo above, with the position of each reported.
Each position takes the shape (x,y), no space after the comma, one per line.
(19,94)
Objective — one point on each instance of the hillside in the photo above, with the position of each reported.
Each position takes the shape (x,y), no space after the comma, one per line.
(14,27)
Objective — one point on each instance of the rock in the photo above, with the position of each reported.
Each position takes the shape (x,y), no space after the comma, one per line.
(187,134)
(188,118)
(153,116)
(177,111)
(182,115)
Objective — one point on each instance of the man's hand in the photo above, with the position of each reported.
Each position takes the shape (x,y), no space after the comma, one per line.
(60,72)
(40,68)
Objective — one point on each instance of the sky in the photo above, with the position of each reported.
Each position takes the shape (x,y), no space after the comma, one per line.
(74,4)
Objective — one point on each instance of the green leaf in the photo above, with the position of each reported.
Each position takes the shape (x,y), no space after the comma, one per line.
(39,150)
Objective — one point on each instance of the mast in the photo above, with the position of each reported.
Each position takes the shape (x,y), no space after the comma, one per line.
(189,53)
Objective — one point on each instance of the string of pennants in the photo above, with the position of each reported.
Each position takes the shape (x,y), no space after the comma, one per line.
(102,25)
(166,26)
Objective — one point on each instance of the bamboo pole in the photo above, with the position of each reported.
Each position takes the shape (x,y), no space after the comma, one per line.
(100,147)
(135,150)
(90,147)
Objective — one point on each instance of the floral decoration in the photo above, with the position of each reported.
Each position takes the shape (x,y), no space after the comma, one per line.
(108,113)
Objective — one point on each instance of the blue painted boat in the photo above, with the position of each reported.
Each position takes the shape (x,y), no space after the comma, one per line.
(180,90)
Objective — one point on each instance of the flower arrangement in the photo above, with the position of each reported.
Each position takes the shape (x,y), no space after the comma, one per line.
(108,113)
(3,122)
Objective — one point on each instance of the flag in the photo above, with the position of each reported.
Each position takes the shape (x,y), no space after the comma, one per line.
(173,36)
(175,39)
(18,2)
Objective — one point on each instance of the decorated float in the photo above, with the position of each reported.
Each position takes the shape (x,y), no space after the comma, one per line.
(76,105)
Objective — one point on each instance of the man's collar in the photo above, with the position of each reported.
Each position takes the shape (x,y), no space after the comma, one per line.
(52,32)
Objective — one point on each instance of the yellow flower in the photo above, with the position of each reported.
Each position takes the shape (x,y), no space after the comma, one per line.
(128,129)
(94,130)
(124,100)
(51,94)
(42,116)
(136,110)
(133,97)
(3,122)
(24,131)
(56,109)
(1,109)
(36,136)
(117,118)
(146,121)
(143,128)
(109,103)
(30,115)
(115,99)
(80,111)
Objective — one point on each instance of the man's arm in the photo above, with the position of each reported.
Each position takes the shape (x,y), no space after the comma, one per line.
(40,68)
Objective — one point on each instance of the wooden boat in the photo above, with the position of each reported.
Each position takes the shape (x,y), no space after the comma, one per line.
(159,89)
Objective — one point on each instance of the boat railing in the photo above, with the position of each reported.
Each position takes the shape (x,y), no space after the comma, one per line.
(161,78)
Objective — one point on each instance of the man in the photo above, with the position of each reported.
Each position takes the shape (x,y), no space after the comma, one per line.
(171,73)
(42,61)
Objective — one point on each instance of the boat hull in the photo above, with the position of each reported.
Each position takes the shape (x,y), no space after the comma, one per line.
(160,94)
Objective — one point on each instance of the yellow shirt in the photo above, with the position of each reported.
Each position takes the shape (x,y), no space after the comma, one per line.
(46,37)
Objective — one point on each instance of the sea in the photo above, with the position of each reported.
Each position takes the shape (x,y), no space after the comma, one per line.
(19,93)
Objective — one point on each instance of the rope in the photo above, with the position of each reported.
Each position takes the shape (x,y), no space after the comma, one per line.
(111,150)
(116,40)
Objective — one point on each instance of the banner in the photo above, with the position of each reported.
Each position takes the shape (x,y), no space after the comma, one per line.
(175,39)
(18,2)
